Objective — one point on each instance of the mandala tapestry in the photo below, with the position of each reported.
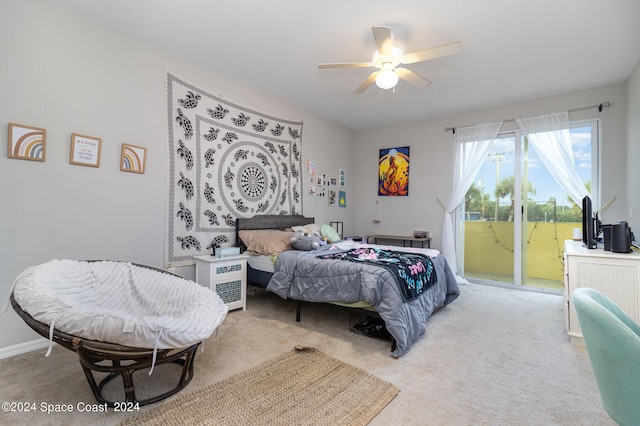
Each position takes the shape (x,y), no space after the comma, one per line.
(225,162)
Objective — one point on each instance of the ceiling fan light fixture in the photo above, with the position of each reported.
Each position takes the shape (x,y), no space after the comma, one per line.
(386,78)
(388,58)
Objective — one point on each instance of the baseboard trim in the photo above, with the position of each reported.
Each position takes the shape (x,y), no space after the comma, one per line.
(23,348)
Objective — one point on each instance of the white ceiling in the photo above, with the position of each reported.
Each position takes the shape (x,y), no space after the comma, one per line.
(513,50)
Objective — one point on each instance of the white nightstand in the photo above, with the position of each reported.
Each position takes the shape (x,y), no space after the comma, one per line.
(227,276)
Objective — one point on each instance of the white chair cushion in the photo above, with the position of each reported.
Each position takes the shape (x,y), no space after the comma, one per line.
(117,302)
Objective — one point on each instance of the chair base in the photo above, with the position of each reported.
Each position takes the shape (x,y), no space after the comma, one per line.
(117,361)
(125,364)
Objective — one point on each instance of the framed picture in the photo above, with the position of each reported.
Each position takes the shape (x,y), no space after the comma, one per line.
(133,159)
(311,167)
(342,198)
(26,142)
(85,150)
(333,198)
(393,172)
(343,177)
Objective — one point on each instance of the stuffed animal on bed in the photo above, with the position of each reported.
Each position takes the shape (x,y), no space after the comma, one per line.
(306,241)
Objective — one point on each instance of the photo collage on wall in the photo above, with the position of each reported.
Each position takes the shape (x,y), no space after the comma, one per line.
(322,185)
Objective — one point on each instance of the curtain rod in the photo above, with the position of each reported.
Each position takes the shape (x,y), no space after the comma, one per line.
(606,104)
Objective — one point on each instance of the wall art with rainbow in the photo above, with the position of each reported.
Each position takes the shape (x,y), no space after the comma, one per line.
(133,159)
(26,142)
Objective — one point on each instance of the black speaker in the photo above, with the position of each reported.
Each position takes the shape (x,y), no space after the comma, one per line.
(606,231)
(620,238)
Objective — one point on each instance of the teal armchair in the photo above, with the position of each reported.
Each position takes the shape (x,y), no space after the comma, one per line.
(612,340)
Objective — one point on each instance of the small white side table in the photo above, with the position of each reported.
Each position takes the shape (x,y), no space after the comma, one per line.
(226,276)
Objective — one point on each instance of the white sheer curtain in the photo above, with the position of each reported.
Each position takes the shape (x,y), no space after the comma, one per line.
(472,146)
(551,139)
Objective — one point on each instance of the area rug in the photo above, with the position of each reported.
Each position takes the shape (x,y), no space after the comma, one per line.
(225,161)
(301,387)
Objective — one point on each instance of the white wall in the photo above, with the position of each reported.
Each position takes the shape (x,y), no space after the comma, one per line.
(633,146)
(71,76)
(432,156)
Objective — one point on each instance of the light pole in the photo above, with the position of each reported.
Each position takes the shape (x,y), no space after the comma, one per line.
(481,189)
(497,157)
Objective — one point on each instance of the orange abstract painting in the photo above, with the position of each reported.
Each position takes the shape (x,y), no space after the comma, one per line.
(393,172)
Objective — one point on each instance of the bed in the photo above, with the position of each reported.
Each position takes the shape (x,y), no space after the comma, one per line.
(324,276)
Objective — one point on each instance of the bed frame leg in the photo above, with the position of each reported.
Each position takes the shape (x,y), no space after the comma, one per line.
(298,305)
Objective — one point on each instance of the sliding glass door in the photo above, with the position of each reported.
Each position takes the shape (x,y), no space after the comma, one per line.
(515,217)
(487,221)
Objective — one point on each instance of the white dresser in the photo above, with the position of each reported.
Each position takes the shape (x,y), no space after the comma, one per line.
(227,276)
(616,275)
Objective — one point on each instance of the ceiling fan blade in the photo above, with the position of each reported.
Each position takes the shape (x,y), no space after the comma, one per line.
(433,53)
(346,65)
(384,40)
(412,77)
(368,82)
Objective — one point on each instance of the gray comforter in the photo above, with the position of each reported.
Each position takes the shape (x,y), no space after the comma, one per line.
(301,275)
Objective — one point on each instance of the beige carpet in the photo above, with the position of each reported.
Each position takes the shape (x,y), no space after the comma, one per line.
(493,357)
(300,387)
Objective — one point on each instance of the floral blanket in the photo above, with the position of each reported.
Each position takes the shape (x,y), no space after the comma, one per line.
(414,272)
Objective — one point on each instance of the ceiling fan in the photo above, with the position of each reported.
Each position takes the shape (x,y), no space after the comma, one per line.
(387,58)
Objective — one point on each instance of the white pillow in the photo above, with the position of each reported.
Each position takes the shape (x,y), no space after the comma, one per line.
(310,228)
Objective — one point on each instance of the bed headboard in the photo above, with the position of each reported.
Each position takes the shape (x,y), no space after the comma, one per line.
(270,221)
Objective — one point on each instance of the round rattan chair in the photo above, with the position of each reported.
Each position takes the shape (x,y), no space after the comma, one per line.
(118,360)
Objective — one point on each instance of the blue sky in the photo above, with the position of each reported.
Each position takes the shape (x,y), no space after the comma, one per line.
(543,183)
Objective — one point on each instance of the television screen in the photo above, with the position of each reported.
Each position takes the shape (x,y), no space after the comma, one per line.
(588,224)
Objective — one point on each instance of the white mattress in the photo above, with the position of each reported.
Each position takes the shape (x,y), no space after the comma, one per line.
(260,262)
(120,303)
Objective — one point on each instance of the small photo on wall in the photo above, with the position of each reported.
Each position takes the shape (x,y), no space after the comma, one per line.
(26,142)
(133,159)
(342,198)
(333,197)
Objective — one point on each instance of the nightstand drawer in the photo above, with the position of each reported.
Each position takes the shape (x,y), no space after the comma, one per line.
(226,269)
(230,292)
